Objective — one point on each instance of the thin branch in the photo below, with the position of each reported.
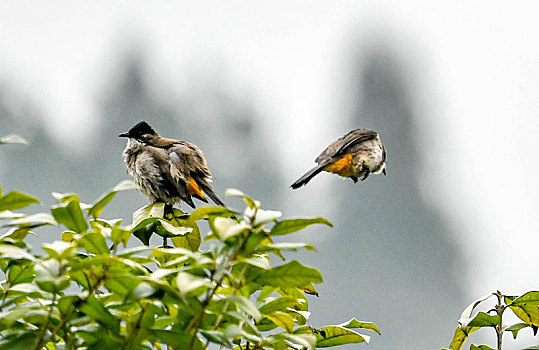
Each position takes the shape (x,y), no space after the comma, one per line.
(195,323)
(43,332)
(499,327)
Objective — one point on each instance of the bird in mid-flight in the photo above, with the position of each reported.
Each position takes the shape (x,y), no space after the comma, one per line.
(355,155)
(167,170)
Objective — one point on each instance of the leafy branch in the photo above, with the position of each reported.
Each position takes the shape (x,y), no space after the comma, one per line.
(144,297)
(525,307)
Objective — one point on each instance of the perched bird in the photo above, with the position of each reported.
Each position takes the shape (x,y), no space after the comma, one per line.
(167,170)
(355,155)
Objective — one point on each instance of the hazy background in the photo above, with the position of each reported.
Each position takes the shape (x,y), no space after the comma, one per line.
(262,87)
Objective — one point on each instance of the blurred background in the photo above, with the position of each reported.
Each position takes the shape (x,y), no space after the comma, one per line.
(262,87)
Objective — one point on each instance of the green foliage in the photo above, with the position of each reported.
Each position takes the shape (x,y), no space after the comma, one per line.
(90,291)
(12,139)
(525,307)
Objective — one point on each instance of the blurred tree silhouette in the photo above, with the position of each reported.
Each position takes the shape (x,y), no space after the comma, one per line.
(385,224)
(229,138)
(394,253)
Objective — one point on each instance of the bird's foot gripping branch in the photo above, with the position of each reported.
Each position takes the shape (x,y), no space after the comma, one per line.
(88,290)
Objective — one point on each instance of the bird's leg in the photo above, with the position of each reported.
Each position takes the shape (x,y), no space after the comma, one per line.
(165,243)
(168,210)
(367,173)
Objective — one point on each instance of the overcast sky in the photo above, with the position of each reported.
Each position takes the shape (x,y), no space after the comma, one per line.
(474,67)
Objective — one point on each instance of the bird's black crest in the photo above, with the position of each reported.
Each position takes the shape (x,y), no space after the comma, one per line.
(141,129)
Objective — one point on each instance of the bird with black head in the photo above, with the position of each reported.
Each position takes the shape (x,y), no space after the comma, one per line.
(167,170)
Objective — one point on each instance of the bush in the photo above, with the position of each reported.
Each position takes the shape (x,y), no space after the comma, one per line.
(90,291)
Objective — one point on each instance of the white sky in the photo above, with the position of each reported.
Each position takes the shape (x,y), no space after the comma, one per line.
(477,79)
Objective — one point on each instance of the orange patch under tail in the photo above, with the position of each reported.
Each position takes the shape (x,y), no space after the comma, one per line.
(343,167)
(194,189)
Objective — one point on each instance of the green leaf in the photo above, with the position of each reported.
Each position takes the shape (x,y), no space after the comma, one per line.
(226,228)
(292,274)
(262,216)
(94,243)
(335,335)
(32,221)
(353,323)
(526,307)
(296,341)
(100,204)
(49,277)
(248,200)
(171,230)
(145,221)
(120,235)
(309,289)
(245,305)
(20,273)
(67,304)
(467,313)
(13,139)
(15,234)
(282,319)
(460,337)
(516,328)
(64,197)
(6,214)
(177,339)
(276,247)
(22,340)
(261,261)
(187,282)
(271,305)
(217,337)
(295,292)
(190,241)
(293,225)
(143,290)
(59,249)
(204,212)
(94,309)
(234,332)
(480,347)
(480,320)
(12,252)
(265,294)
(301,317)
(16,200)
(145,230)
(154,210)
(70,215)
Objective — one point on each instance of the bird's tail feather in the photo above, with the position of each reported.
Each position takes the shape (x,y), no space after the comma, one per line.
(308,176)
(214,197)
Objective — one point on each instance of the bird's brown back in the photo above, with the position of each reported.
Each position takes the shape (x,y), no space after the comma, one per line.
(345,144)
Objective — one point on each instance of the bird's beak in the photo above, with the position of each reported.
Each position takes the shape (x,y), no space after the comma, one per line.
(125,134)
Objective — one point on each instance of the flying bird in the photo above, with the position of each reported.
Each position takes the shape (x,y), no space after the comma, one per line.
(355,155)
(167,170)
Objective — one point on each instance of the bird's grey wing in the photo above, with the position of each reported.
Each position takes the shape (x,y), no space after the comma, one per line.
(343,144)
(175,184)
(187,160)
